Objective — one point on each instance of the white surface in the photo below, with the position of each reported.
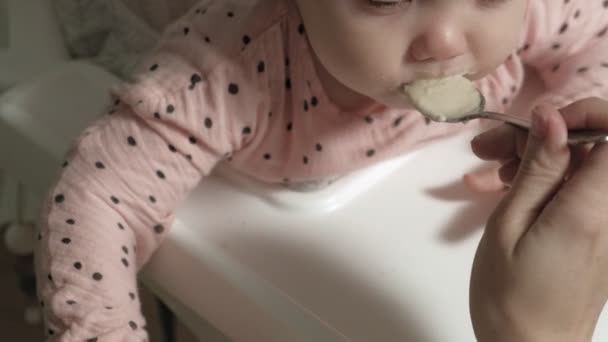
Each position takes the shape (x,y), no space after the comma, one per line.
(34,43)
(378,269)
(391,265)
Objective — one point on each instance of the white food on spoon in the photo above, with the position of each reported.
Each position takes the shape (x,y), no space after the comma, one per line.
(446,99)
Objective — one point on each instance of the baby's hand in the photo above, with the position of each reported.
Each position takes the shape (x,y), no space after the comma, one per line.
(505,145)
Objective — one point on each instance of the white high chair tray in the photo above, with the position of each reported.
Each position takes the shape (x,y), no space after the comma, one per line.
(390,263)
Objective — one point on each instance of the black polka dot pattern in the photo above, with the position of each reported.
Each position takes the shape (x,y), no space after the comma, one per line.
(233,89)
(208,123)
(246,39)
(194,80)
(397,121)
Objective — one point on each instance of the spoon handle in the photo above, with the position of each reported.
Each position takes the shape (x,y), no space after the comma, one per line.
(515,120)
(575,136)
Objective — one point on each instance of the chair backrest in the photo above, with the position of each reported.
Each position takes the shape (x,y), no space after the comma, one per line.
(40,119)
(30,40)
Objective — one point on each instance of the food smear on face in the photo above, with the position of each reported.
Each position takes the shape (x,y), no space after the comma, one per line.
(446,99)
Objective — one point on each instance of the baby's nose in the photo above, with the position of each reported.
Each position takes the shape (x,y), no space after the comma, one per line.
(439,43)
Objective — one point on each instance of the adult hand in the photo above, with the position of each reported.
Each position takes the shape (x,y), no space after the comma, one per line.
(505,146)
(541,268)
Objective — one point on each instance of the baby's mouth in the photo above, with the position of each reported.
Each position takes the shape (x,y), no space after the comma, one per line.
(471,75)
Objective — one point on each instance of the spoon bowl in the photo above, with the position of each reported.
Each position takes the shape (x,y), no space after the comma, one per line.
(575,136)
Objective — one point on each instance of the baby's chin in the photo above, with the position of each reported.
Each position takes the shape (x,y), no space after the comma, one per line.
(396,100)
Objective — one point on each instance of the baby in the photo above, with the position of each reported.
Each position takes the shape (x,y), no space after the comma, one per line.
(285,91)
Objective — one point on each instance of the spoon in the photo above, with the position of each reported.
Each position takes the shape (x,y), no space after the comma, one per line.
(575,136)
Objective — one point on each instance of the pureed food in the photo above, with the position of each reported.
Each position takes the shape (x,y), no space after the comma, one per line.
(446,99)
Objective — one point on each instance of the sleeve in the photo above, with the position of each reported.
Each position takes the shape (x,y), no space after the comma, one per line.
(115,197)
(567,44)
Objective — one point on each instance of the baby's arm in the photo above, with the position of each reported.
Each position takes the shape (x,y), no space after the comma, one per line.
(116,195)
(109,210)
(567,43)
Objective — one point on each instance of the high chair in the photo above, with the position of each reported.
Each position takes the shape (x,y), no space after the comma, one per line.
(383,254)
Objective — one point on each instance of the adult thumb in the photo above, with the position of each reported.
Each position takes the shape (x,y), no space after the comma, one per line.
(542,169)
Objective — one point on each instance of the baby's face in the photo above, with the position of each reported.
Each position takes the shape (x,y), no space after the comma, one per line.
(373,47)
